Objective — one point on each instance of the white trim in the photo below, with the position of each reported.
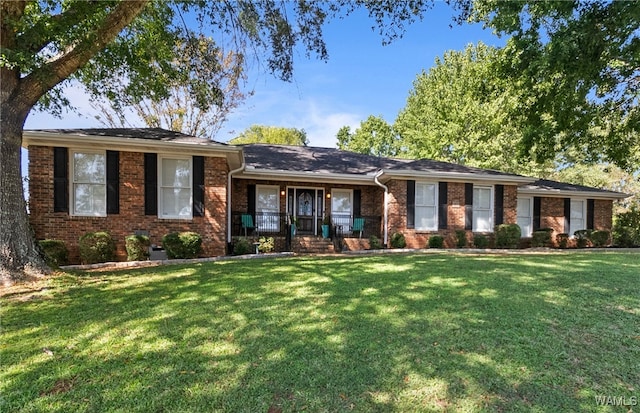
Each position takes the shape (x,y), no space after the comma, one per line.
(72,182)
(557,193)
(491,209)
(572,228)
(435,206)
(161,214)
(466,177)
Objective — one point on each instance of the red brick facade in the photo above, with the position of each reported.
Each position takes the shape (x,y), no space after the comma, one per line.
(48,224)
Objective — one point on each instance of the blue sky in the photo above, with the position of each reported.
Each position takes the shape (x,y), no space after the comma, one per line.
(361,78)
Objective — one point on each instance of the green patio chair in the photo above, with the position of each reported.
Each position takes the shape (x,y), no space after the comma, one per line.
(358,225)
(247,223)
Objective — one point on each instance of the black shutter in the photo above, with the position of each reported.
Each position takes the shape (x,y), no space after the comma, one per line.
(150,184)
(198,186)
(60,180)
(567,215)
(113,182)
(499,205)
(537,203)
(468,206)
(411,204)
(591,206)
(251,199)
(443,201)
(357,208)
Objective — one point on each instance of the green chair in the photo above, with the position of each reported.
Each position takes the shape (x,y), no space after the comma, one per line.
(247,223)
(358,225)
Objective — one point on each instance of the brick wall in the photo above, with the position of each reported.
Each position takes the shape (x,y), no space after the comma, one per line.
(552,214)
(62,226)
(603,215)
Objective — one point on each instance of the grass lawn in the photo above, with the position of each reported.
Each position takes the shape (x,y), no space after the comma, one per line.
(421,332)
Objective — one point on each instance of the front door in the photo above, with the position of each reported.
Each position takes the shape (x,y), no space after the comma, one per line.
(305,210)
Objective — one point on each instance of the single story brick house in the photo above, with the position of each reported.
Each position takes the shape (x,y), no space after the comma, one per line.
(128,180)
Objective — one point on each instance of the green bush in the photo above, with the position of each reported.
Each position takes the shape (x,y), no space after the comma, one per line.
(541,238)
(267,244)
(461,238)
(397,240)
(97,247)
(508,236)
(563,240)
(436,241)
(626,228)
(182,244)
(54,252)
(600,238)
(374,243)
(242,247)
(137,247)
(582,237)
(480,241)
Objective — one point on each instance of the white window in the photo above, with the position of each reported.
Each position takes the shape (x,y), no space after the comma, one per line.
(89,186)
(482,209)
(175,195)
(577,219)
(525,216)
(341,207)
(426,212)
(268,208)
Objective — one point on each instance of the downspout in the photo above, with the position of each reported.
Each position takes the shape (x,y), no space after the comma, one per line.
(229,198)
(385,222)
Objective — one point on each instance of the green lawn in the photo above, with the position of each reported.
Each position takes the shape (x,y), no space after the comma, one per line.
(425,332)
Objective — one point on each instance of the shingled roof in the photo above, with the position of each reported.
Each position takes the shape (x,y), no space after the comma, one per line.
(549,187)
(157,134)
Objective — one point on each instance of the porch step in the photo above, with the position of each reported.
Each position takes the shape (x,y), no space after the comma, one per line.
(312,245)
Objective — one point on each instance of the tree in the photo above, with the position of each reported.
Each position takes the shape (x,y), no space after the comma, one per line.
(273,135)
(374,137)
(182,111)
(576,67)
(104,44)
(460,111)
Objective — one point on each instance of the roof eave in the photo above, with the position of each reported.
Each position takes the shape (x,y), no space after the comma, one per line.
(306,176)
(386,175)
(560,193)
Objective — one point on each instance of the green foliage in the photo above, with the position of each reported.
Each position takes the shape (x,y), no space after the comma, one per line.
(541,238)
(273,135)
(600,238)
(436,241)
(480,241)
(508,236)
(461,238)
(182,244)
(267,244)
(563,240)
(55,252)
(582,237)
(374,243)
(242,246)
(97,247)
(626,228)
(374,137)
(397,240)
(137,247)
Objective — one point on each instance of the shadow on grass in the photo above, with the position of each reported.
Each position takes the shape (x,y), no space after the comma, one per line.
(401,333)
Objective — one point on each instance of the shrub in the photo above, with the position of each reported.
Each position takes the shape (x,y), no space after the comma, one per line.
(600,238)
(563,240)
(541,238)
(137,247)
(480,241)
(242,247)
(626,228)
(374,243)
(436,241)
(397,240)
(582,237)
(508,236)
(182,244)
(267,244)
(461,238)
(96,247)
(54,252)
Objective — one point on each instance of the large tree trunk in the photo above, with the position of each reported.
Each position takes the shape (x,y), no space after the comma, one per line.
(19,257)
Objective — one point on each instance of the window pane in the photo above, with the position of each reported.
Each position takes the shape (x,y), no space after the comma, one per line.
(88,168)
(481,198)
(482,221)
(341,202)
(176,172)
(426,218)
(267,199)
(425,194)
(577,209)
(524,207)
(176,202)
(90,199)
